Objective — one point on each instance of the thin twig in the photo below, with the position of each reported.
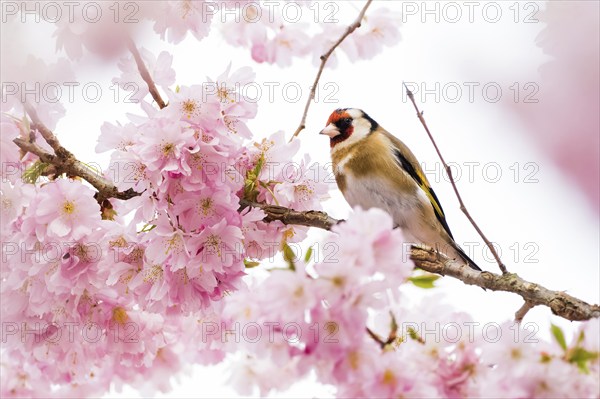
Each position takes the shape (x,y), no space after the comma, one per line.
(376,338)
(463,208)
(355,25)
(520,314)
(145,74)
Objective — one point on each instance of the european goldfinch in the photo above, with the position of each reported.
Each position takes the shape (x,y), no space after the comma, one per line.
(372,168)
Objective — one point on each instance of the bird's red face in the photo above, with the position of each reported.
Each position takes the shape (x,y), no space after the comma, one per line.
(348,125)
(339,126)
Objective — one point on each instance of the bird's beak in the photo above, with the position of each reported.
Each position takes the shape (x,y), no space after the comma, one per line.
(330,130)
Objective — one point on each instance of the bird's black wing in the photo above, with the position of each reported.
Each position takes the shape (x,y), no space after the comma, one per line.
(422,182)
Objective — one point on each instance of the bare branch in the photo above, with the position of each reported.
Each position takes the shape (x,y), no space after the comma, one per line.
(377,338)
(560,303)
(290,216)
(65,162)
(355,25)
(145,74)
(463,208)
(36,124)
(35,149)
(430,260)
(520,314)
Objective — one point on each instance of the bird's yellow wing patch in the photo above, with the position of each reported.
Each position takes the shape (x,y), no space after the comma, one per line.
(422,181)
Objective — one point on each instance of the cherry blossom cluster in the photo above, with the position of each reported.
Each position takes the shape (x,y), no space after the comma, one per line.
(94,294)
(274,40)
(359,332)
(274,32)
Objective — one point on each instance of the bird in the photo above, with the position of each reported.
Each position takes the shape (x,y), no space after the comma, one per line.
(374,169)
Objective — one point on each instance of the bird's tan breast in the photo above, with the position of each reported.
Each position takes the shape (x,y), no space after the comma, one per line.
(370,158)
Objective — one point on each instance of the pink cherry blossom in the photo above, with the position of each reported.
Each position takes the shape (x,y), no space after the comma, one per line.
(62,209)
(9,152)
(100,28)
(380,28)
(164,152)
(173,19)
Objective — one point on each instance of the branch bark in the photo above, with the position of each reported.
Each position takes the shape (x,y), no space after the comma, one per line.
(65,162)
(428,259)
(355,25)
(290,216)
(463,208)
(46,133)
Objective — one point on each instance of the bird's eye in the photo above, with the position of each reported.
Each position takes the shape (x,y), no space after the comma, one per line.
(344,123)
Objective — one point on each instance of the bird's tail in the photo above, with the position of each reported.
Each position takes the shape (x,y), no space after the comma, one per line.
(465,257)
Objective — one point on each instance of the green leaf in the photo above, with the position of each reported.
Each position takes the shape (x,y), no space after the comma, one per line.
(251,182)
(250,192)
(424,280)
(289,255)
(309,253)
(581,357)
(412,333)
(33,173)
(250,263)
(559,335)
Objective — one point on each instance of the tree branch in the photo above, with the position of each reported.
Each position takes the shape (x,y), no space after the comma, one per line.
(290,216)
(65,162)
(355,25)
(428,259)
(463,208)
(145,74)
(36,124)
(520,314)
(560,303)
